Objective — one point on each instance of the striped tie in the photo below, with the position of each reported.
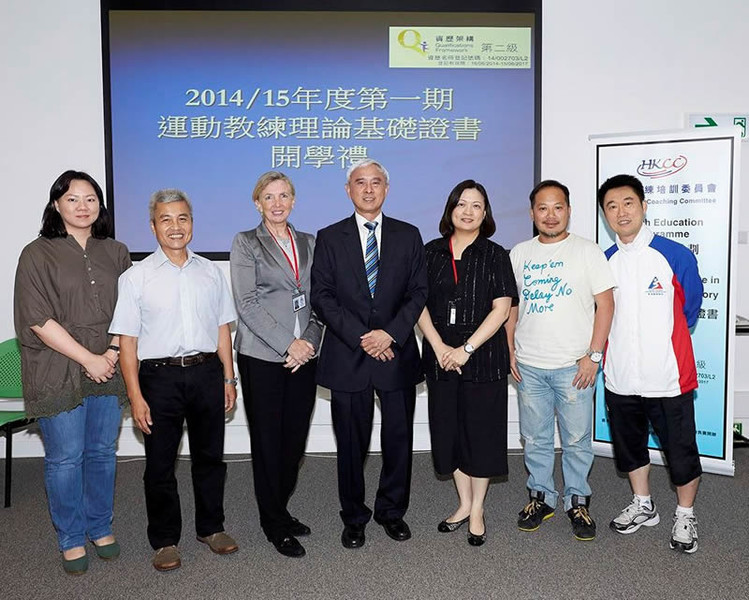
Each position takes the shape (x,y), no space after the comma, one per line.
(371,259)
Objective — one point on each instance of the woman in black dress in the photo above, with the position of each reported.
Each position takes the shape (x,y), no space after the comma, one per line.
(471,289)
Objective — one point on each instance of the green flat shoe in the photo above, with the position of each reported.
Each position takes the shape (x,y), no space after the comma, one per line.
(77,566)
(107,551)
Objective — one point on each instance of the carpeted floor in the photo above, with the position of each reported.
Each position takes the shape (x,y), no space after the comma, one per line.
(549,563)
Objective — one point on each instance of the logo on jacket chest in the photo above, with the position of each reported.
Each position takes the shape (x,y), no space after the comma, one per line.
(655,288)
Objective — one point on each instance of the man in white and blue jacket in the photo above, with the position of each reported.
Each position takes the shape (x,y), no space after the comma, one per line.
(649,368)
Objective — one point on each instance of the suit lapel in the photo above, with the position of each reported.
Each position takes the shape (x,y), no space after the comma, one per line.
(387,247)
(389,256)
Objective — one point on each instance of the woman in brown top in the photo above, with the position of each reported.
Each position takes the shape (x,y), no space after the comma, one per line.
(65,293)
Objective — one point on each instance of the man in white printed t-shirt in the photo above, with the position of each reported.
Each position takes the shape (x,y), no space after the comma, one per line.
(557,335)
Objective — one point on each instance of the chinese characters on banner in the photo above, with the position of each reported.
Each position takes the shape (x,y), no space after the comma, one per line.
(319,141)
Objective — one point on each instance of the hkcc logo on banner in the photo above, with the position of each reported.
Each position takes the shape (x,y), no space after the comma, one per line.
(655,168)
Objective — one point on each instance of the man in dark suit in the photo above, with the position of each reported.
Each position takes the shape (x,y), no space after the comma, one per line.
(369,286)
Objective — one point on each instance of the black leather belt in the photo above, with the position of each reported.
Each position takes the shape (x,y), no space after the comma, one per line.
(180,361)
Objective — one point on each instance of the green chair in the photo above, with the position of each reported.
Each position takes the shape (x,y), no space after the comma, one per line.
(10,387)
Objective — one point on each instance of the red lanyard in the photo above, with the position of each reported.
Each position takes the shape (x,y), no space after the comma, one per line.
(452,257)
(295,266)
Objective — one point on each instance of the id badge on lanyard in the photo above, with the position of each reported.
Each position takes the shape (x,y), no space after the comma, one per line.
(452,312)
(452,308)
(298,300)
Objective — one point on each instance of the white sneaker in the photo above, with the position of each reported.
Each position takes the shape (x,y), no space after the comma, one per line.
(684,533)
(635,516)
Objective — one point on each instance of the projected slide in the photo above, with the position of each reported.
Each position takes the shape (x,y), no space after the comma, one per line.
(206,101)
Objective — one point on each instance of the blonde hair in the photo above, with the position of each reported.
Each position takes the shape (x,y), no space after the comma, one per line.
(266,179)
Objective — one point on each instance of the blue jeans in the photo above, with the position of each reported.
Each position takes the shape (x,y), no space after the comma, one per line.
(542,392)
(79,469)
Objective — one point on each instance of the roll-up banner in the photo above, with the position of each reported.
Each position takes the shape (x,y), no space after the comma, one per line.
(692,190)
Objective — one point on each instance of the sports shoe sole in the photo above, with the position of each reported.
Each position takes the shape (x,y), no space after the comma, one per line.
(651,522)
(530,529)
(584,539)
(679,547)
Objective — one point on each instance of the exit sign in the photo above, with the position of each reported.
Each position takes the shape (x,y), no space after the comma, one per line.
(700,120)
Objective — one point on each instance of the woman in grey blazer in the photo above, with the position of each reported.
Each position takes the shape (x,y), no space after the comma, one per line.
(277,342)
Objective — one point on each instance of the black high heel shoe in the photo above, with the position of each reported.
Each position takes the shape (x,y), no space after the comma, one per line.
(448,527)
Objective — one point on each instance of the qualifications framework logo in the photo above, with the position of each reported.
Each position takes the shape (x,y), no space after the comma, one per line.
(411,39)
(448,47)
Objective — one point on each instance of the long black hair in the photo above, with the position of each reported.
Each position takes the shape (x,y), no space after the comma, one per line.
(52,223)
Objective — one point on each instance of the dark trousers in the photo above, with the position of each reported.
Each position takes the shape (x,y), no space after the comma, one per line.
(352,422)
(176,394)
(279,406)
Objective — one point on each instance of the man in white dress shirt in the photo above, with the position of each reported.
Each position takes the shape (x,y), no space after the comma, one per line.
(173,314)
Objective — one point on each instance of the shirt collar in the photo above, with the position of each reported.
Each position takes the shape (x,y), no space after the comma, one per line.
(538,241)
(642,239)
(161,258)
(361,220)
(479,244)
(74,242)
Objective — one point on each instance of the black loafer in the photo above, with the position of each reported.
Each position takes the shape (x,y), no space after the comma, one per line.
(476,540)
(449,527)
(289,546)
(297,528)
(353,536)
(397,530)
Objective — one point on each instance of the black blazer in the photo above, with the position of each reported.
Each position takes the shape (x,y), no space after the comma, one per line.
(340,297)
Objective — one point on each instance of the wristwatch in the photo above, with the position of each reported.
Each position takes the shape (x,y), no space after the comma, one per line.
(594,355)
(233,381)
(468,348)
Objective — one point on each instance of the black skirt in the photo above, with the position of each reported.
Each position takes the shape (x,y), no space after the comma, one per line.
(468,426)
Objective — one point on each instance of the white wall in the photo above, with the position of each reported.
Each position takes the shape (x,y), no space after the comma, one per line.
(642,66)
(607,67)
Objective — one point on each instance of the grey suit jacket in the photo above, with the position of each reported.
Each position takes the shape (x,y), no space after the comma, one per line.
(263,284)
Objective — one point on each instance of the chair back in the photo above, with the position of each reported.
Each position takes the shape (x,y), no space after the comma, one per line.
(10,369)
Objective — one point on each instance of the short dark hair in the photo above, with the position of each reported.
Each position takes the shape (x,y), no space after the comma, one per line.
(618,181)
(547,183)
(488,227)
(52,223)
